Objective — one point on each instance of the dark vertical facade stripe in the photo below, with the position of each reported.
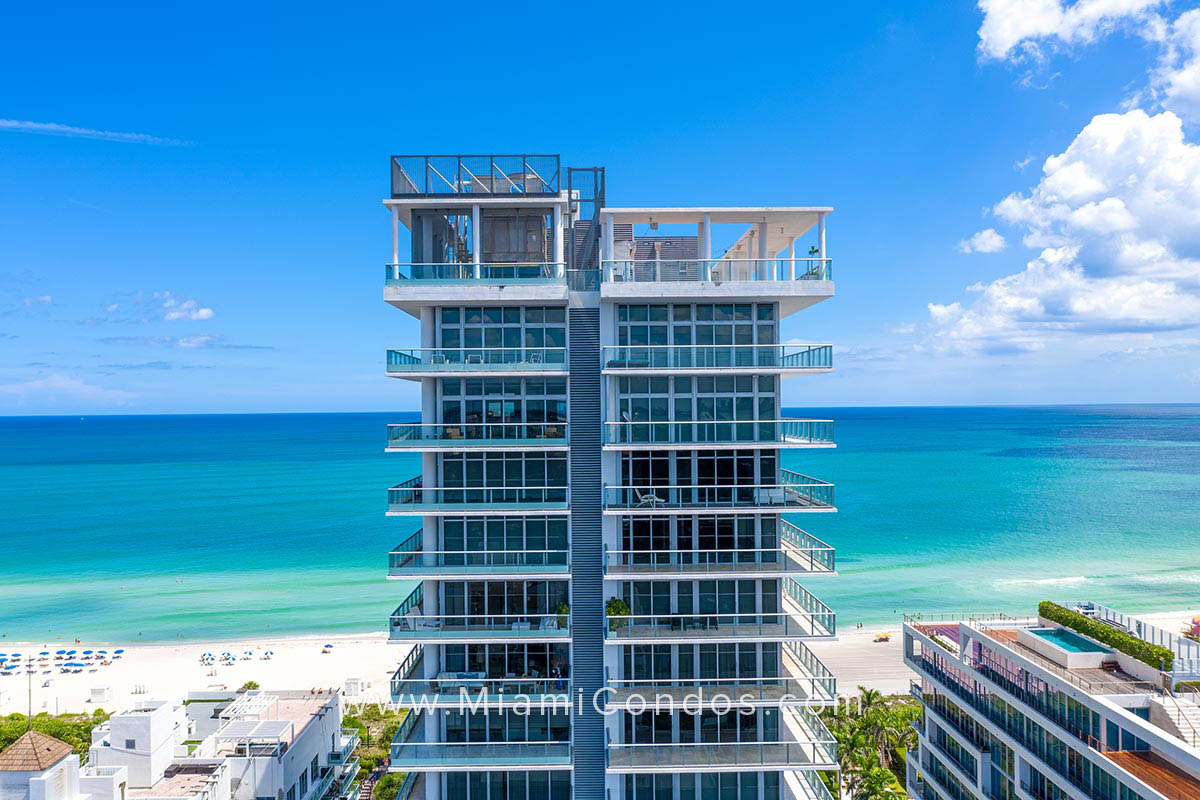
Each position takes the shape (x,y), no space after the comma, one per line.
(587,590)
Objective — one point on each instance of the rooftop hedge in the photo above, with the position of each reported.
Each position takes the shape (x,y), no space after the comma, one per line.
(1152,654)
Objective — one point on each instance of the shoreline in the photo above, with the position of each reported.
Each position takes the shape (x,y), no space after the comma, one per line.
(169,670)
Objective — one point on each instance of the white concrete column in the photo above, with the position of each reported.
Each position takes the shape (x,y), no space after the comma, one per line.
(821,235)
(792,259)
(706,249)
(426,238)
(559,246)
(395,235)
(760,268)
(476,239)
(433,780)
(608,247)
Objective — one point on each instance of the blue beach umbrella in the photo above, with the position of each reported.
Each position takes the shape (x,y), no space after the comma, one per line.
(3,659)
(70,652)
(87,652)
(60,652)
(329,647)
(118,652)
(44,653)
(16,655)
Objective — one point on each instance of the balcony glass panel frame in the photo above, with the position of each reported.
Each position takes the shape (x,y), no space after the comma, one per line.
(458,360)
(484,627)
(465,436)
(403,562)
(796,493)
(742,433)
(412,498)
(694,270)
(799,624)
(708,357)
(490,274)
(629,564)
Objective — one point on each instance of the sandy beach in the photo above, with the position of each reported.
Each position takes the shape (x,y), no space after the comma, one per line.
(171,670)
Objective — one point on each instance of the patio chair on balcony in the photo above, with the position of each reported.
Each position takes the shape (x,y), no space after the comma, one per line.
(474,358)
(535,357)
(647,500)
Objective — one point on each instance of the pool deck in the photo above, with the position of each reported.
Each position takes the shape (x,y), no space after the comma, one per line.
(1097,681)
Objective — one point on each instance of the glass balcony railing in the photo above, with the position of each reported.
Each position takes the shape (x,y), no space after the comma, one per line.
(773,357)
(813,683)
(412,498)
(814,558)
(779,432)
(453,360)
(480,626)
(816,749)
(416,436)
(718,269)
(345,745)
(795,493)
(437,756)
(449,687)
(808,549)
(407,561)
(712,626)
(475,274)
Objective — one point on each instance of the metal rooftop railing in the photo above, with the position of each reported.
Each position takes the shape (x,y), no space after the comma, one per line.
(486,175)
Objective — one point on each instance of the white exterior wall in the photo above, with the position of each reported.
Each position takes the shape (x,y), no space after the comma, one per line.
(153,729)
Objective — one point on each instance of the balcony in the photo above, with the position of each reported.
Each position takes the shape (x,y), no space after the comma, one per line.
(492,362)
(411,499)
(411,286)
(705,359)
(414,627)
(475,176)
(340,754)
(448,689)
(409,437)
(409,561)
(474,274)
(796,493)
(723,435)
(805,680)
(800,553)
(813,749)
(660,628)
(718,270)
(411,752)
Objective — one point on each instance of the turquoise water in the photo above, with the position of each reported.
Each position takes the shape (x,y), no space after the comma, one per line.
(1068,640)
(158,527)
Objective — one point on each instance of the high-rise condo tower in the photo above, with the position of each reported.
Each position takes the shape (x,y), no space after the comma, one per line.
(601,514)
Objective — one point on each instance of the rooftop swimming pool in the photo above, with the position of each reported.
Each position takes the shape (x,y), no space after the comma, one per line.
(1068,640)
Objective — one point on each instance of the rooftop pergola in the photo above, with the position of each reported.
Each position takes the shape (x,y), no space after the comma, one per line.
(770,230)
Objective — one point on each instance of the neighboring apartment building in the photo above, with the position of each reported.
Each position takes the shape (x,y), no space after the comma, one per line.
(600,506)
(1034,710)
(39,767)
(219,746)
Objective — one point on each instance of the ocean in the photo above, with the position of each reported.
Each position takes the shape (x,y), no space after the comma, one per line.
(156,528)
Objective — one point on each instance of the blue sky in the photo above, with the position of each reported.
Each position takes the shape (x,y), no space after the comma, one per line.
(191,214)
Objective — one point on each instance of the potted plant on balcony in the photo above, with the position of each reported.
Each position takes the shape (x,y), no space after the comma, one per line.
(616,607)
(563,610)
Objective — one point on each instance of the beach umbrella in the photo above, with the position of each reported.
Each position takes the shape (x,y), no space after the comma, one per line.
(118,652)
(44,653)
(328,647)
(70,652)
(60,652)
(87,652)
(16,655)
(102,651)
(3,659)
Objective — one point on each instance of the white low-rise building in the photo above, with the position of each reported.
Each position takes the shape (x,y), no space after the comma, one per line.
(248,746)
(39,767)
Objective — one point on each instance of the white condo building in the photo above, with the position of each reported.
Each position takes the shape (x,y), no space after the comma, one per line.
(253,745)
(602,508)
(1081,702)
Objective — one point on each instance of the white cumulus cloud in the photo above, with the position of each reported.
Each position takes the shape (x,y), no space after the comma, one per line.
(1176,80)
(176,309)
(986,241)
(1116,220)
(1019,29)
